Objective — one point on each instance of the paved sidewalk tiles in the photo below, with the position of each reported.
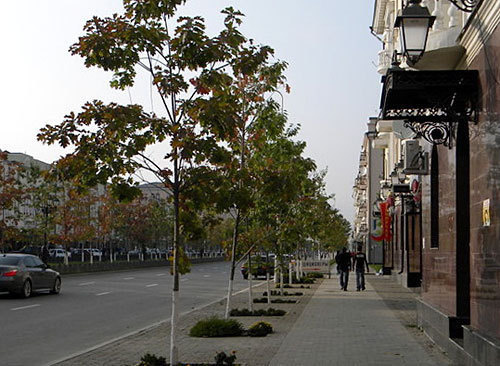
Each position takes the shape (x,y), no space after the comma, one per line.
(327,327)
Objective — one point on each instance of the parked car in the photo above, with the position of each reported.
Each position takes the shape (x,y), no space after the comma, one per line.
(58,253)
(259,267)
(22,274)
(30,249)
(95,252)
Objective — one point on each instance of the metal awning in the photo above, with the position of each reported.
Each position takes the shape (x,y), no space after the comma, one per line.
(429,96)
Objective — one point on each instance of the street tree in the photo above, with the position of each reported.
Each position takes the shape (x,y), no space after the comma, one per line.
(12,192)
(191,72)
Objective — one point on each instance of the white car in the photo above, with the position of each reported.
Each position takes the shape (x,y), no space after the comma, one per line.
(58,253)
(95,252)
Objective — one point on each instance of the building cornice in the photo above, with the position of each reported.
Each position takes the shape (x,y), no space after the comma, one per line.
(480,27)
(378,24)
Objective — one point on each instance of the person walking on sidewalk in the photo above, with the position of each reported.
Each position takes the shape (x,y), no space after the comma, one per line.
(359,262)
(344,264)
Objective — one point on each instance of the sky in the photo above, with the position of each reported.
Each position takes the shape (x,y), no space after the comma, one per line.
(331,54)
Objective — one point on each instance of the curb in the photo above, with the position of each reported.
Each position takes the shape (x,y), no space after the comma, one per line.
(143,330)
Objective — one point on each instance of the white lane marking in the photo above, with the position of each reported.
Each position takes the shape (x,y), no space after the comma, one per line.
(25,307)
(206,276)
(184,279)
(103,293)
(152,285)
(128,278)
(161,274)
(86,283)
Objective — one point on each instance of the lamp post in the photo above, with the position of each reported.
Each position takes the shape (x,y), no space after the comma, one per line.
(414,23)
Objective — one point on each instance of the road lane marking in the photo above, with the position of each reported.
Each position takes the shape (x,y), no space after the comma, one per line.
(160,274)
(86,283)
(206,276)
(152,285)
(103,293)
(25,307)
(128,278)
(184,279)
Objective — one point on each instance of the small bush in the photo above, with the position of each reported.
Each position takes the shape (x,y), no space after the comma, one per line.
(260,329)
(315,275)
(152,360)
(263,300)
(260,312)
(217,327)
(285,293)
(222,359)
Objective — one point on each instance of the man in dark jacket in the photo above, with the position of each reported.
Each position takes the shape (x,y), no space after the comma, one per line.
(359,262)
(344,264)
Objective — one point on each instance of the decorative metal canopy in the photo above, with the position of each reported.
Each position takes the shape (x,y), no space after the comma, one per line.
(466,5)
(430,102)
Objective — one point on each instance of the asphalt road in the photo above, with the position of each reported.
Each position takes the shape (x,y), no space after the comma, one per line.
(95,308)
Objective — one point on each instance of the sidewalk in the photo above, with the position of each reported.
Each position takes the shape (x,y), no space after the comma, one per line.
(353,328)
(326,327)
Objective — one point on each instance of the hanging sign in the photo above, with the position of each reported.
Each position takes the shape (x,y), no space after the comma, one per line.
(385,220)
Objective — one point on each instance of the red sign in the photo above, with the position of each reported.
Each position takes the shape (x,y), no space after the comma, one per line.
(385,220)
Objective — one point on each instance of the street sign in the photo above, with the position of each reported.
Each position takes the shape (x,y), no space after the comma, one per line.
(316,265)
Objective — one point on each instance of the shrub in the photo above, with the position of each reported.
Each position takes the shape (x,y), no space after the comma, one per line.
(263,300)
(260,312)
(260,329)
(285,293)
(222,359)
(152,360)
(315,275)
(216,327)
(283,301)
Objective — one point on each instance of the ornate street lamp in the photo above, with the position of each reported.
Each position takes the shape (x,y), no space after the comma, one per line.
(414,24)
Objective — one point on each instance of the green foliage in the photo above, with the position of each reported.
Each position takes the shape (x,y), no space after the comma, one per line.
(305,280)
(221,358)
(216,327)
(260,312)
(285,293)
(260,329)
(152,360)
(263,300)
(314,275)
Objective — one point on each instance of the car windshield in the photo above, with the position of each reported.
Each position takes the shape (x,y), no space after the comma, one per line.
(9,261)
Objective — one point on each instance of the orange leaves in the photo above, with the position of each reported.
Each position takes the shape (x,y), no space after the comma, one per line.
(200,88)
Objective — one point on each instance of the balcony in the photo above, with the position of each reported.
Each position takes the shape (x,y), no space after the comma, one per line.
(384,61)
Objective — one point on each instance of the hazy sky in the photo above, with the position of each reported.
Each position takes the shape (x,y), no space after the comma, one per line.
(331,56)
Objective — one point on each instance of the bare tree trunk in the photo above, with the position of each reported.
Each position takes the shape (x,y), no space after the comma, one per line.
(175,270)
(233,264)
(268,287)
(250,295)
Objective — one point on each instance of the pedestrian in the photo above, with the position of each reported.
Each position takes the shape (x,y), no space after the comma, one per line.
(359,262)
(344,264)
(44,255)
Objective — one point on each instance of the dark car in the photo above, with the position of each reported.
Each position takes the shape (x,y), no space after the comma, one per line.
(22,274)
(259,267)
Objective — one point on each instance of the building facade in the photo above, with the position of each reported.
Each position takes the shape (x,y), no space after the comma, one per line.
(444,225)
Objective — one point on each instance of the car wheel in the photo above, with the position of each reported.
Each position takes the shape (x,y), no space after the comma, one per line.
(26,290)
(57,286)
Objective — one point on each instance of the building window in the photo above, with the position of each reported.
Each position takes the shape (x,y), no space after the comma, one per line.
(434,198)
